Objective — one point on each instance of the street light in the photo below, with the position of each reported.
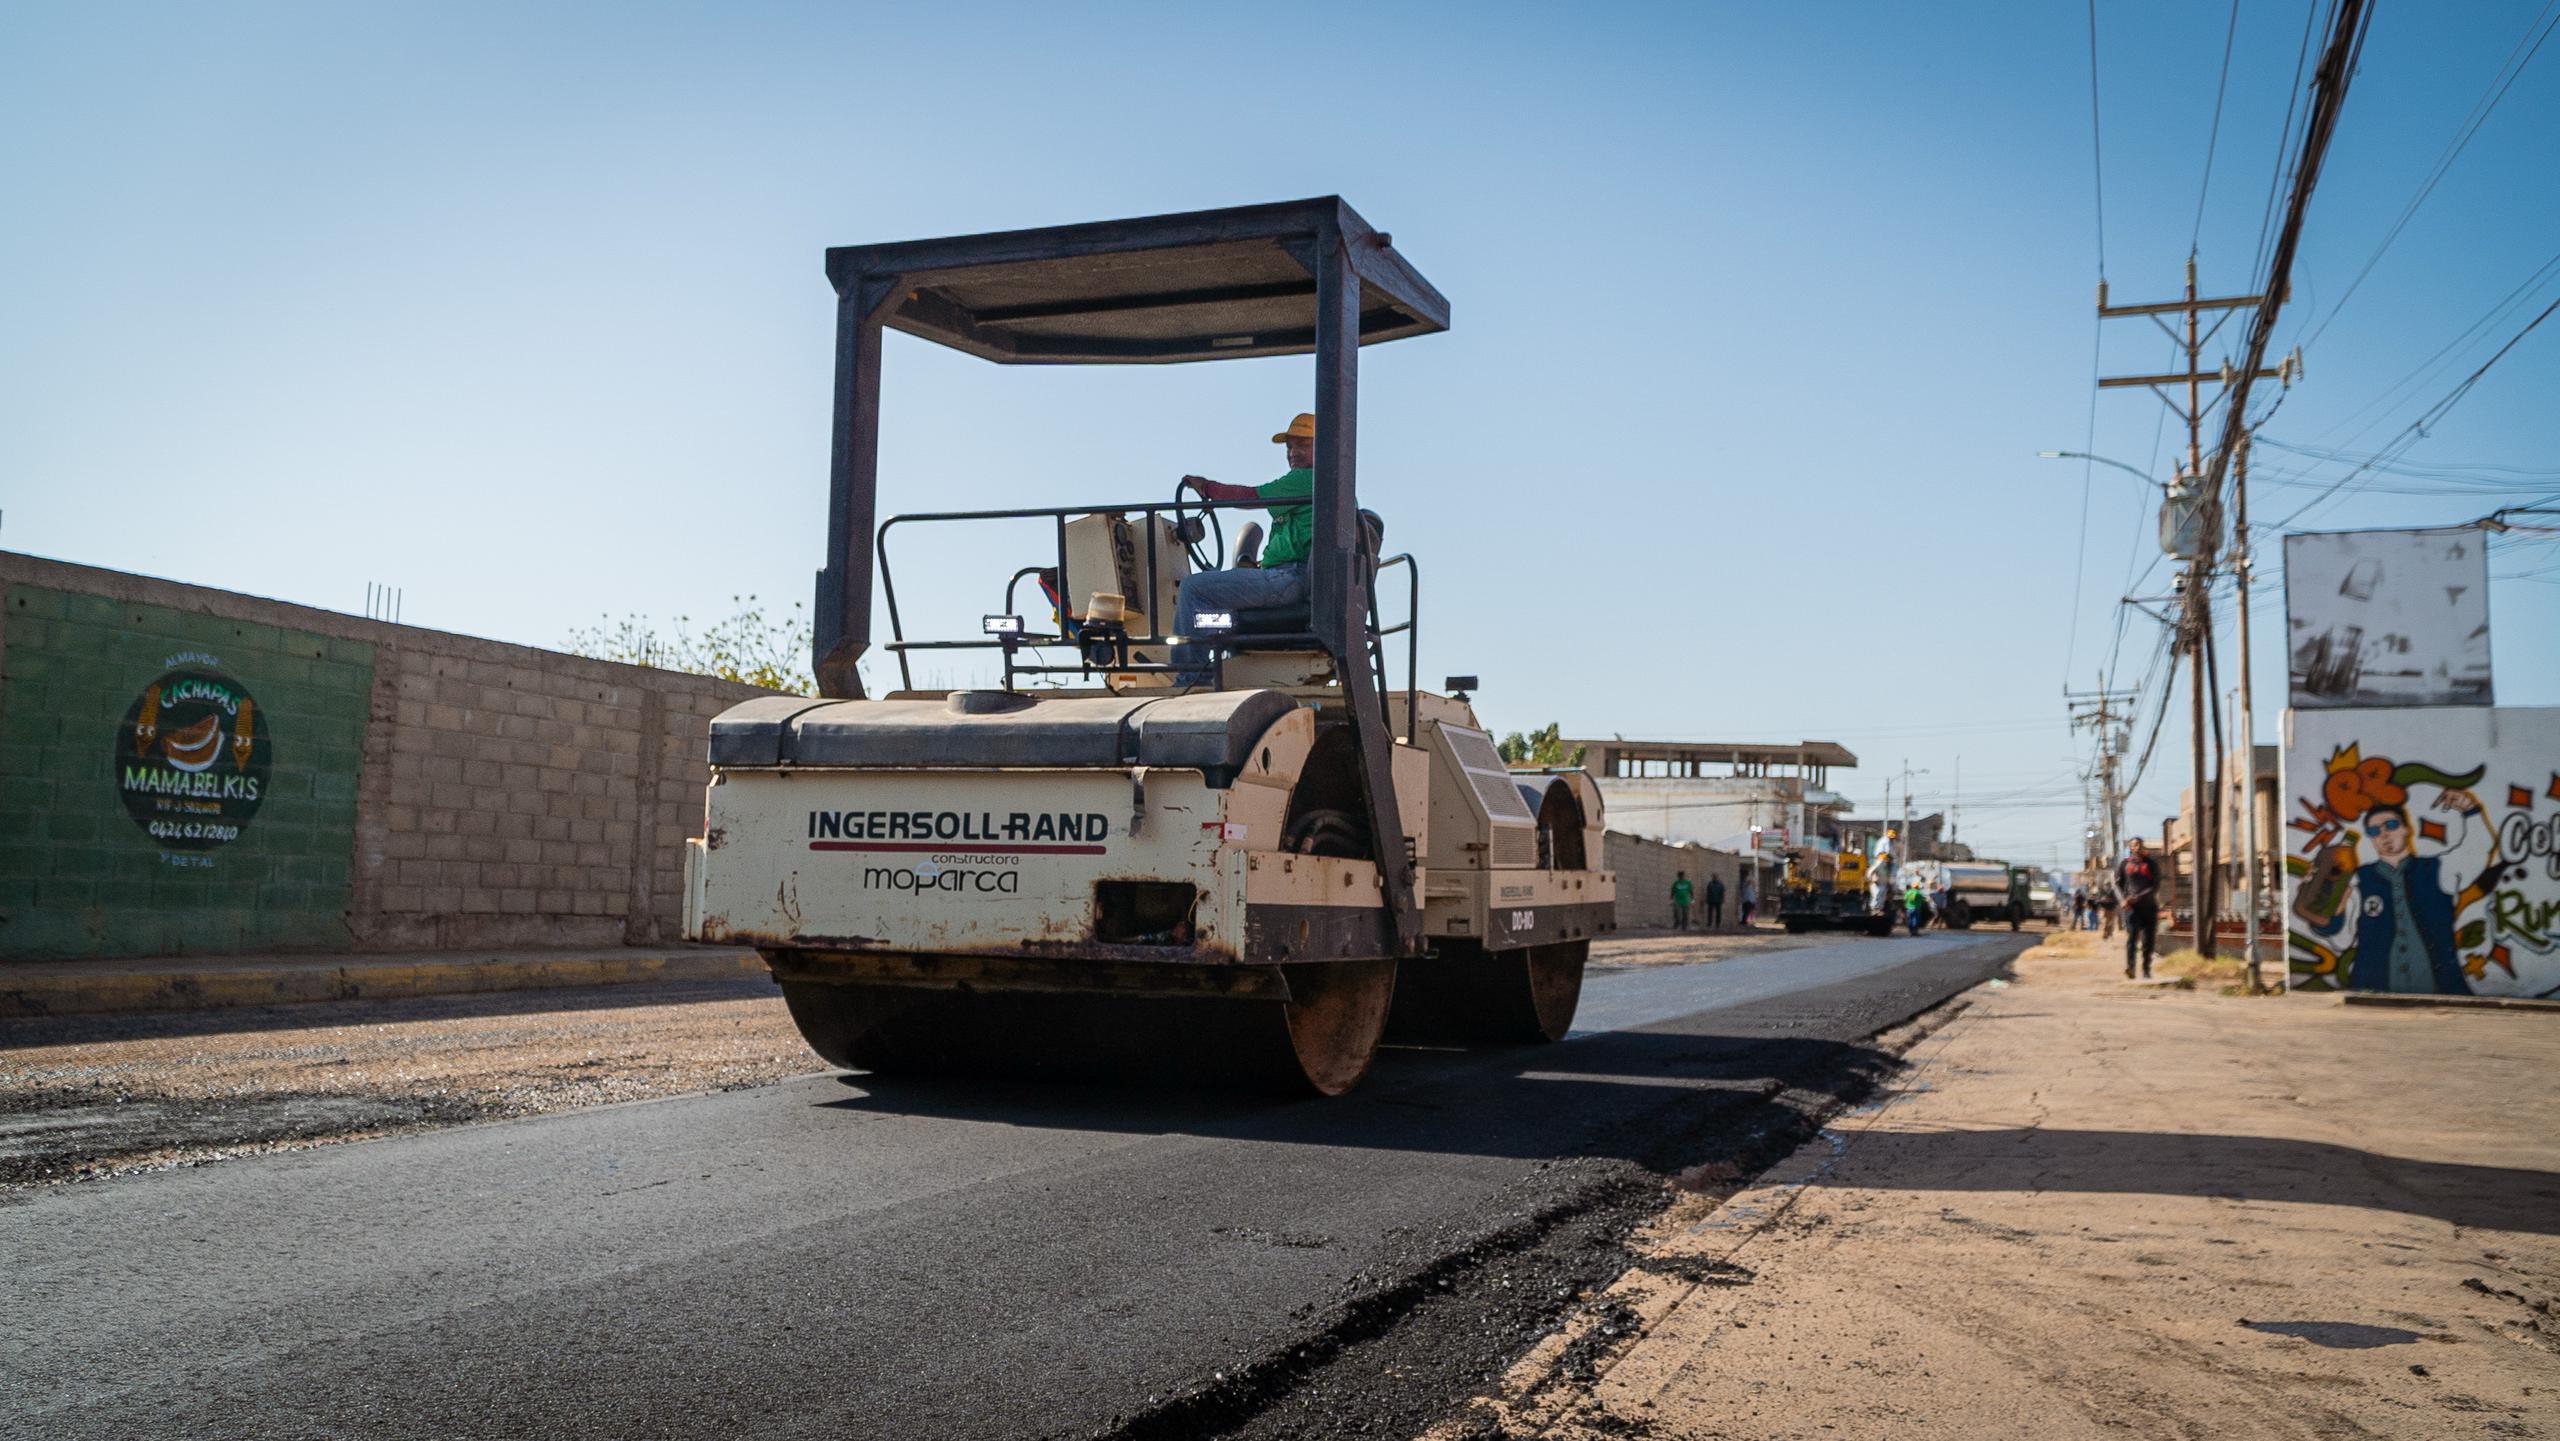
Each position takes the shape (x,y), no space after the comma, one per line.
(2142,475)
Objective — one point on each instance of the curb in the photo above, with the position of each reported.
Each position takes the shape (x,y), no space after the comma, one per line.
(2450,1003)
(69,992)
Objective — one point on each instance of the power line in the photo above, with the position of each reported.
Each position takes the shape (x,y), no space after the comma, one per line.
(2442,470)
(2501,82)
(2417,429)
(2088,479)
(2284,138)
(2390,398)
(2097,349)
(2214,138)
(2097,150)
(2352,20)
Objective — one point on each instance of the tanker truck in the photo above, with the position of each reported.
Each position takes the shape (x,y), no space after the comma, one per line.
(1988,892)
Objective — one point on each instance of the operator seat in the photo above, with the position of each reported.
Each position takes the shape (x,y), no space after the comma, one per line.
(1284,627)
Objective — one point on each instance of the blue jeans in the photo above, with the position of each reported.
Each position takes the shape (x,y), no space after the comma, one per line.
(1228,590)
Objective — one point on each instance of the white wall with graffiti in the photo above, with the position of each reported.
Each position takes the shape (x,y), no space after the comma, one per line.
(2422,850)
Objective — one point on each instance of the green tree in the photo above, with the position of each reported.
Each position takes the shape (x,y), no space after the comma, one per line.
(750,646)
(1542,749)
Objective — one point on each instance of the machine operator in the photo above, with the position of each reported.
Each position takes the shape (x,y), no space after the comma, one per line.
(1281,579)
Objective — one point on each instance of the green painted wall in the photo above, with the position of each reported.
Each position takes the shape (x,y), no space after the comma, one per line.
(255,803)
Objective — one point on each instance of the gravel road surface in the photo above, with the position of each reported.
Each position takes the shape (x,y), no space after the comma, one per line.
(828,1257)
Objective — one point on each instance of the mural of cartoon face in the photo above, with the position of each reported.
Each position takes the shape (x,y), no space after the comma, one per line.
(2388,828)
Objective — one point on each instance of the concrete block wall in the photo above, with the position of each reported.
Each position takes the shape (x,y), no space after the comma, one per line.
(1645,869)
(529,798)
(422,789)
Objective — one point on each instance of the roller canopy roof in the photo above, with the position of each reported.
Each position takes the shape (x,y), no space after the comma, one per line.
(1208,285)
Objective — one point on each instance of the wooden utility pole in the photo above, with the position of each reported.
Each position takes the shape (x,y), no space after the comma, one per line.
(2104,711)
(2188,529)
(2248,737)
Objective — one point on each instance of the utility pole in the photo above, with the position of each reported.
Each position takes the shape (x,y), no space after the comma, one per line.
(2105,712)
(2248,737)
(2349,21)
(2188,521)
(1887,822)
(1910,847)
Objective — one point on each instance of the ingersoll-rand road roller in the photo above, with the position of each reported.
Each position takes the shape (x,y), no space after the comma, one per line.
(1248,860)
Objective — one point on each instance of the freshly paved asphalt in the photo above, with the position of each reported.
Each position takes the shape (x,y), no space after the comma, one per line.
(828,1259)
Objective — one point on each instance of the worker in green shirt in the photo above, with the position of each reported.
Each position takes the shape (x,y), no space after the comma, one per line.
(1680,893)
(1281,578)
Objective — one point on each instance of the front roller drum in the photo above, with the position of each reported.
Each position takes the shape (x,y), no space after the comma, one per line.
(1320,1040)
(1466,995)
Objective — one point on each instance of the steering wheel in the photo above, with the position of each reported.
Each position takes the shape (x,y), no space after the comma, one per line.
(1194,534)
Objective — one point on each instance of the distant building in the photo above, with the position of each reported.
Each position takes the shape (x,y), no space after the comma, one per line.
(1721,794)
(2178,831)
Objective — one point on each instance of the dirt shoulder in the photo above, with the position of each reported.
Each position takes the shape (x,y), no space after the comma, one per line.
(82,1097)
(2092,1209)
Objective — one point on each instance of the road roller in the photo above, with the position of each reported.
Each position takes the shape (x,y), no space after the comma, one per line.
(1250,860)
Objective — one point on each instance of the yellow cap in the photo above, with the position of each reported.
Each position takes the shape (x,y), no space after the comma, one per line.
(1302,428)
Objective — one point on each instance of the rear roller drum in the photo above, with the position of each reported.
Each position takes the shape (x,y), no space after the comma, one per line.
(1468,996)
(1320,1040)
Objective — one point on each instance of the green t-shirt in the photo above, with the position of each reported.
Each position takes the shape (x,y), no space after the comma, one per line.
(1291,525)
(1680,891)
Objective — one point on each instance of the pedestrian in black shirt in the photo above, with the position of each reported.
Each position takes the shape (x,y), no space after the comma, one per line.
(2138,889)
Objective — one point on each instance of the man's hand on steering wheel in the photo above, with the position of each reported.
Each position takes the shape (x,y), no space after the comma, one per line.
(1193,532)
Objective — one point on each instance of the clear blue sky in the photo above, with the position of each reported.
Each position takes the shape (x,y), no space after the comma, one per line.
(1761,314)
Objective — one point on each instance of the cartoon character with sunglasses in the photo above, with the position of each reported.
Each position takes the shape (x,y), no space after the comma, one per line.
(2404,915)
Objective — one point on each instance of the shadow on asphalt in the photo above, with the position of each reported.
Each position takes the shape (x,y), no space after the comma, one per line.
(19,1033)
(1601,1096)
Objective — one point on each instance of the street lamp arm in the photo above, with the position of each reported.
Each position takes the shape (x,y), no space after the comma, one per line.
(2139,474)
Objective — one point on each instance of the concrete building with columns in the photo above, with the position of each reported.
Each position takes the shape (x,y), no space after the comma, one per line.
(1727,795)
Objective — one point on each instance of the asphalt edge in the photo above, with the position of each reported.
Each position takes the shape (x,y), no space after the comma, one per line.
(71,992)
(1604,1329)
(1241,1394)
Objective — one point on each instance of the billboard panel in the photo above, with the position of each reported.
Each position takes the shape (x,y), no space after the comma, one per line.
(2422,850)
(2387,618)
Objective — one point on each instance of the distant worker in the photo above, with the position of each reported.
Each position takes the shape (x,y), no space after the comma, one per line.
(1281,578)
(1680,902)
(2104,903)
(1750,899)
(1938,899)
(1912,904)
(2137,887)
(1715,902)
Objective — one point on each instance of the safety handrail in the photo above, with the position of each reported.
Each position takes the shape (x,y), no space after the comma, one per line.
(1059,517)
(1410,629)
